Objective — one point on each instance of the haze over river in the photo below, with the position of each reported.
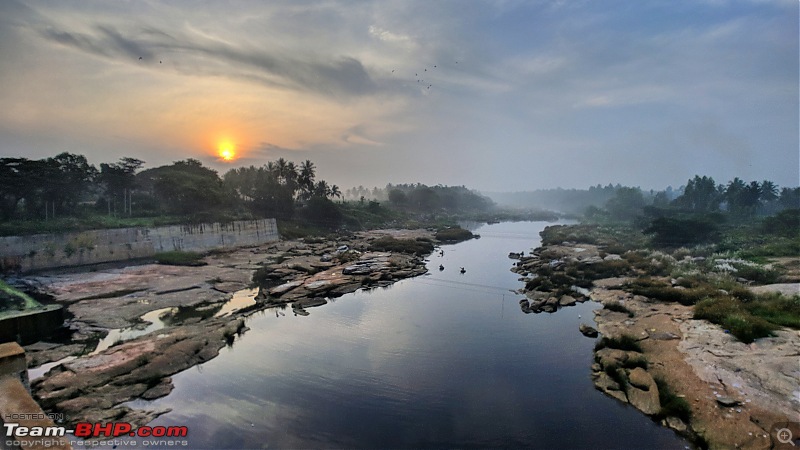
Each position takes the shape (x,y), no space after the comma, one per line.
(442,360)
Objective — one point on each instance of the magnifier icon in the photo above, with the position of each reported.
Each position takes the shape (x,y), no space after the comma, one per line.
(784,436)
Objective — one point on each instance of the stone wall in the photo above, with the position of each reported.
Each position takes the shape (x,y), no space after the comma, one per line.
(49,251)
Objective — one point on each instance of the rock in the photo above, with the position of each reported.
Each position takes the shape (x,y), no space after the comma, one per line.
(588,331)
(552,301)
(612,257)
(317,286)
(643,392)
(676,424)
(664,336)
(605,383)
(162,389)
(284,288)
(728,401)
(639,378)
(645,401)
(309,303)
(610,356)
(567,300)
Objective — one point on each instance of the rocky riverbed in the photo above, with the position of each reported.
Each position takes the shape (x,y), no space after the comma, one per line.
(92,386)
(735,392)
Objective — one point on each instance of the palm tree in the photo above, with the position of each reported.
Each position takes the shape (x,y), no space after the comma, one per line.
(306,177)
(321,189)
(335,191)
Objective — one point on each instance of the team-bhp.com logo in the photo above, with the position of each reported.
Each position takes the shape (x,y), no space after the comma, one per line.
(88,430)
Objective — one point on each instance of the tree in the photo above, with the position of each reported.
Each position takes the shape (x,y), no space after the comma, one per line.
(306,178)
(626,204)
(119,180)
(188,188)
(700,195)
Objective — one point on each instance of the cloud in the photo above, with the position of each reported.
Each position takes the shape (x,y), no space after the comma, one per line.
(196,54)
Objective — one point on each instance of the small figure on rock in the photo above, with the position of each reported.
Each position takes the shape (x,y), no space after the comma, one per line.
(441,267)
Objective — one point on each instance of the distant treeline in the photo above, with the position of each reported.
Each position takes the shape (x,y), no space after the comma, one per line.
(66,185)
(700,194)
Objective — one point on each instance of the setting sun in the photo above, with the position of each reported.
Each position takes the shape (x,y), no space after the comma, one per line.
(227,151)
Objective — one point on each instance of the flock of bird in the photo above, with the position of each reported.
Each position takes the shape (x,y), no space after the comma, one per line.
(420,79)
(416,74)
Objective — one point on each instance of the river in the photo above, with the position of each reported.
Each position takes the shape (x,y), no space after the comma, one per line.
(443,360)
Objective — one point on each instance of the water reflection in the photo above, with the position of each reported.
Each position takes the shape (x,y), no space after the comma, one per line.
(433,362)
(151,321)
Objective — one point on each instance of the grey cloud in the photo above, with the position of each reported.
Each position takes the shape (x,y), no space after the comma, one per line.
(333,76)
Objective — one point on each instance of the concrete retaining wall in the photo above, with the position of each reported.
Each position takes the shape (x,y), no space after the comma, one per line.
(27,327)
(49,251)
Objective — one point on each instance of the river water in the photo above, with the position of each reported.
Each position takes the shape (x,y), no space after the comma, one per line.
(443,360)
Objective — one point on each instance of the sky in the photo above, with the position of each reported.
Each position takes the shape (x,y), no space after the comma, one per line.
(496,95)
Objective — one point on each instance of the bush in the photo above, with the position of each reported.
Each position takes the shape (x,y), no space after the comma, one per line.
(454,235)
(618,307)
(757,274)
(606,269)
(734,317)
(624,342)
(678,232)
(390,244)
(664,292)
(178,258)
(775,308)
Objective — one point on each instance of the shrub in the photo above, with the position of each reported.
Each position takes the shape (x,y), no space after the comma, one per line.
(758,274)
(618,307)
(617,374)
(390,244)
(679,232)
(734,317)
(454,235)
(624,342)
(664,292)
(775,308)
(606,269)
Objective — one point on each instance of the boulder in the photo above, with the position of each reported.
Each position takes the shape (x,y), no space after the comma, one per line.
(567,300)
(588,331)
(643,392)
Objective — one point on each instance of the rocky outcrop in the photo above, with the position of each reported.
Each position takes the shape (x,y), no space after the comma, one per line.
(587,331)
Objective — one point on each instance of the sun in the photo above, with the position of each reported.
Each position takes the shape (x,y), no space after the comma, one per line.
(227,151)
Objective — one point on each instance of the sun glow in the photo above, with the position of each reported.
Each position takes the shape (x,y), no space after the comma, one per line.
(226,151)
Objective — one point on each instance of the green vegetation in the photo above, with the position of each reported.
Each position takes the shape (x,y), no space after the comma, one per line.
(751,320)
(178,258)
(413,246)
(618,307)
(456,234)
(624,342)
(13,298)
(671,404)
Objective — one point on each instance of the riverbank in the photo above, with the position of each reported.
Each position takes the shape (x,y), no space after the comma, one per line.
(295,275)
(690,375)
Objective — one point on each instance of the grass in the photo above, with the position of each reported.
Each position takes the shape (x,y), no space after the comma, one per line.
(624,342)
(750,320)
(618,307)
(27,300)
(659,290)
(178,258)
(671,404)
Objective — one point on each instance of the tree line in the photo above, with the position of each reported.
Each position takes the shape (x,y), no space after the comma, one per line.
(66,185)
